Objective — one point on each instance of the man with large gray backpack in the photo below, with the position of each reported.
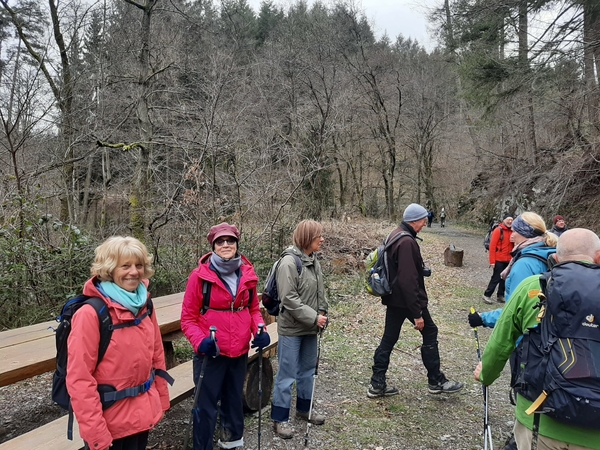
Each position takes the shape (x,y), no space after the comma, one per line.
(558,379)
(407,299)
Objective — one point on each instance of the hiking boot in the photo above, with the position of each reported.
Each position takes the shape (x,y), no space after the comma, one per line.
(510,444)
(501,299)
(449,387)
(315,419)
(386,391)
(488,300)
(283,429)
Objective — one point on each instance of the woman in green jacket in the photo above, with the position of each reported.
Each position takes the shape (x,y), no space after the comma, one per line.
(303,314)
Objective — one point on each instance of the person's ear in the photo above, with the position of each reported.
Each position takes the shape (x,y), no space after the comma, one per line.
(597,257)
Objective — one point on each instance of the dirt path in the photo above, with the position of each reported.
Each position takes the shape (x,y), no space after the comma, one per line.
(411,420)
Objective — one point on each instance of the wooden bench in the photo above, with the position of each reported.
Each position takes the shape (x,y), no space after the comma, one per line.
(29,351)
(53,435)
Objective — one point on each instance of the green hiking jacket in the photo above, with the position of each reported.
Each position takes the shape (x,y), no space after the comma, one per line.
(301,295)
(517,316)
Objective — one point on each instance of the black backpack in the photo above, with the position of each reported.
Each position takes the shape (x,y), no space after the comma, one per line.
(560,357)
(108,394)
(270,296)
(488,237)
(376,265)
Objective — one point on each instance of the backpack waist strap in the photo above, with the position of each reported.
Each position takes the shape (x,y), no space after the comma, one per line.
(110,397)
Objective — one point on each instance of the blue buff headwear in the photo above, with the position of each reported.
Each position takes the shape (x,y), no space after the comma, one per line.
(524,229)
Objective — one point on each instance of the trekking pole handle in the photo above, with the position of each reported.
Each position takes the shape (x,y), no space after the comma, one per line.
(261,328)
(213,336)
(473,312)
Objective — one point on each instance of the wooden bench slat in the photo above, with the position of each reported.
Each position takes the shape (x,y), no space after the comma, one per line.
(24,356)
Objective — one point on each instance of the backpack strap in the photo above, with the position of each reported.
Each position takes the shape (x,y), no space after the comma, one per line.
(549,262)
(106,325)
(207,288)
(388,243)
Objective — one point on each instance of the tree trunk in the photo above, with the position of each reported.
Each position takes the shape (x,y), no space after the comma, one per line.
(141,183)
(530,138)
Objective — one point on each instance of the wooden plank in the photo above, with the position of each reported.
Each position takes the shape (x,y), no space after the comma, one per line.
(53,435)
(26,334)
(23,357)
(44,329)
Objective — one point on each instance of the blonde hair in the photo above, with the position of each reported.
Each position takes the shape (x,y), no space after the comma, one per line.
(305,232)
(538,224)
(113,249)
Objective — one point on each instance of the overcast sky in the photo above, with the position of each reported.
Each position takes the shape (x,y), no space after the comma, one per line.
(406,17)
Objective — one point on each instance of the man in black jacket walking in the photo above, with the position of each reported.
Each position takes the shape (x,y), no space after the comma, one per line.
(408,300)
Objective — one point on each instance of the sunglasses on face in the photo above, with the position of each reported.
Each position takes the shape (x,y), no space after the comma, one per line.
(228,241)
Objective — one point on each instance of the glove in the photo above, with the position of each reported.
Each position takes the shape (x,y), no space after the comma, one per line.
(475,320)
(208,347)
(261,340)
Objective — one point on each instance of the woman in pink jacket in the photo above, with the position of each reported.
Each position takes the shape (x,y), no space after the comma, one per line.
(132,360)
(221,292)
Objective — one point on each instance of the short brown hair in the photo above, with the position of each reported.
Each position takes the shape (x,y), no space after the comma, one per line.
(114,248)
(305,232)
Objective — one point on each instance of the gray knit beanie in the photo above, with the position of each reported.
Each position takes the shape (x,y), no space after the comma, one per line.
(414,212)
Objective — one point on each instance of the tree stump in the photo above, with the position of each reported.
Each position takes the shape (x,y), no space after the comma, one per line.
(250,396)
(453,257)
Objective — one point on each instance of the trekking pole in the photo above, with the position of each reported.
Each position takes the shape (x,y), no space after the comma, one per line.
(487,430)
(261,327)
(312,395)
(213,334)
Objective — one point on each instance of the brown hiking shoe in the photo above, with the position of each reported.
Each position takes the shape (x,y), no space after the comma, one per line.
(315,419)
(283,429)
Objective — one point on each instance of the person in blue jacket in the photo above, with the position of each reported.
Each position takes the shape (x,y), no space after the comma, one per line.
(533,246)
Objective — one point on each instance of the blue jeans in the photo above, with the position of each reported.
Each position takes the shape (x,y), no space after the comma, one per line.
(297,358)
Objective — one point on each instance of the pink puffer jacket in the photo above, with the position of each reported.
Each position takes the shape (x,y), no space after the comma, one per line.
(235,327)
(132,354)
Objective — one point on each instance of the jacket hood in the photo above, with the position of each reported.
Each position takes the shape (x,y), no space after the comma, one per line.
(539,249)
(306,259)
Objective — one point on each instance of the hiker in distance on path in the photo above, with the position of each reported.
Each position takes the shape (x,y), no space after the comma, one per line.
(500,247)
(519,315)
(221,292)
(533,245)
(120,273)
(560,225)
(303,314)
(430,217)
(408,300)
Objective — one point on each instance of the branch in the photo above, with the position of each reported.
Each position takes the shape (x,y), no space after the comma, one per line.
(121,145)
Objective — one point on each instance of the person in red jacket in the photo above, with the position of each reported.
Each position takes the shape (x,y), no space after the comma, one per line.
(500,248)
(120,275)
(233,308)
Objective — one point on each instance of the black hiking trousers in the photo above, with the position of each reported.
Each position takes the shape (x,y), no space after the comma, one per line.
(499,266)
(394,318)
(137,441)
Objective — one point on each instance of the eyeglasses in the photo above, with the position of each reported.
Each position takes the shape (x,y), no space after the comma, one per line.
(222,242)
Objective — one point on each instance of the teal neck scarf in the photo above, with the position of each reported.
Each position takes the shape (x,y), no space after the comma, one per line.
(133,301)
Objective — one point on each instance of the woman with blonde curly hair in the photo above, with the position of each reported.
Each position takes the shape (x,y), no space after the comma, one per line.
(118,399)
